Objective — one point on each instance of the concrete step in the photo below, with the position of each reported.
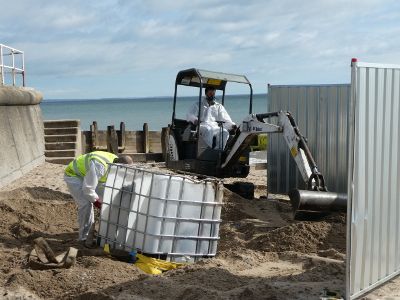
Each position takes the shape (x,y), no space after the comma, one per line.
(60,146)
(60,138)
(59,153)
(59,160)
(61,123)
(58,131)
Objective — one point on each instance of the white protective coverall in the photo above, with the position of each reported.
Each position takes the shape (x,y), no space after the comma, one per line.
(85,192)
(209,127)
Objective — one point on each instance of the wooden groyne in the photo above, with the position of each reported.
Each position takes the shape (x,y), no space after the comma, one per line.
(142,145)
(61,147)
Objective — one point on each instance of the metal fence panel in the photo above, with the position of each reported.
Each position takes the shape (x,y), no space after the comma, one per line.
(321,112)
(374,178)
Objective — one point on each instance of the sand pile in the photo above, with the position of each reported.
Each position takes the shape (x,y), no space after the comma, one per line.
(27,213)
(306,237)
(262,254)
(268,225)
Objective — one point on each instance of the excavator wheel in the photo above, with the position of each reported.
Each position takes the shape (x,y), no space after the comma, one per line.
(172,147)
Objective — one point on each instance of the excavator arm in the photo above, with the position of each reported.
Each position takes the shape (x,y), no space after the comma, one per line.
(254,124)
(316,198)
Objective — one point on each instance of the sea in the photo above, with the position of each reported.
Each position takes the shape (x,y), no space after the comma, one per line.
(155,111)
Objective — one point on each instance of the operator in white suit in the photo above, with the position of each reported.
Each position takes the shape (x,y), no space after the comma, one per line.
(211,113)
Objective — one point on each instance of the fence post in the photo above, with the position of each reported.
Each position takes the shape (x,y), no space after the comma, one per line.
(1,64)
(13,67)
(146,146)
(23,69)
(122,139)
(93,136)
(112,140)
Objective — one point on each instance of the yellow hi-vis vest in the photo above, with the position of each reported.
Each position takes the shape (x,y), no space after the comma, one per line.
(79,166)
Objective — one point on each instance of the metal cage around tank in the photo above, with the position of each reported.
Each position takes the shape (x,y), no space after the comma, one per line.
(172,216)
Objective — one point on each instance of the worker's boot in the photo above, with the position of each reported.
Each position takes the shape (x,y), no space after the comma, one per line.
(90,242)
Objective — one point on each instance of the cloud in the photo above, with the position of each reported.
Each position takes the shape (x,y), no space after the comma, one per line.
(72,21)
(156,29)
(273,41)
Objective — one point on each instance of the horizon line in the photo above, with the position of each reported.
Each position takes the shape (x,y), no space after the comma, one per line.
(131,98)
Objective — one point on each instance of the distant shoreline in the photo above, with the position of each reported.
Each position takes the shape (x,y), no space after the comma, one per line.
(135,112)
(137,98)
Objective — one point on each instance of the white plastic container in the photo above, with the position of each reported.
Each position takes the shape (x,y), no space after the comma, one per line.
(162,214)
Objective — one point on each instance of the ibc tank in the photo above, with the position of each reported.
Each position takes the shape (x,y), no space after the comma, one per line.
(170,215)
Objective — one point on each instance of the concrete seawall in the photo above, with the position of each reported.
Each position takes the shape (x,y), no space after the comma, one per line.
(21,132)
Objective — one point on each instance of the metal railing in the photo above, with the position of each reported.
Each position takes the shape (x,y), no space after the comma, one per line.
(12,64)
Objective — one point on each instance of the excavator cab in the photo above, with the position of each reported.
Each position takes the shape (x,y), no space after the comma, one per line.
(187,150)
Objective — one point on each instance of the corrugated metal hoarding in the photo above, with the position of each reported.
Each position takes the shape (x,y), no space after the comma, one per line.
(374,178)
(321,113)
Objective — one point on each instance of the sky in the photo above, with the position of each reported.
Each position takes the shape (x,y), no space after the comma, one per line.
(126,48)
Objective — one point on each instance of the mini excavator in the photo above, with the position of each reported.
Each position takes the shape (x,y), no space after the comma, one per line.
(187,152)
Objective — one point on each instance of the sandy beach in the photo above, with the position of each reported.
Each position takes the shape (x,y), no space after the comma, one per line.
(205,88)
(262,254)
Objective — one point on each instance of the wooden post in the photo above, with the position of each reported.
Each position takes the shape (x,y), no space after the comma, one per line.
(90,139)
(146,145)
(93,136)
(122,140)
(112,140)
(164,142)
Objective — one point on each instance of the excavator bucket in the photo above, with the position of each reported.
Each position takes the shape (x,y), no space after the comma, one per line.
(309,205)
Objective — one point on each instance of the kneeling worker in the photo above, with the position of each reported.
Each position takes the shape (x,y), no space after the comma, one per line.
(85,176)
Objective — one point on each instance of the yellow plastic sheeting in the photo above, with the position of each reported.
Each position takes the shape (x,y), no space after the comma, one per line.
(155,266)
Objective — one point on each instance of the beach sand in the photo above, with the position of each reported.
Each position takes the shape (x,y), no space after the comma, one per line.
(262,254)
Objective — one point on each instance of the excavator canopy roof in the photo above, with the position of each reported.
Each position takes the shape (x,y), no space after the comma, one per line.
(204,78)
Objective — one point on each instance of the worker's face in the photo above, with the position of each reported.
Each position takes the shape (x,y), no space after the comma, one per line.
(210,94)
